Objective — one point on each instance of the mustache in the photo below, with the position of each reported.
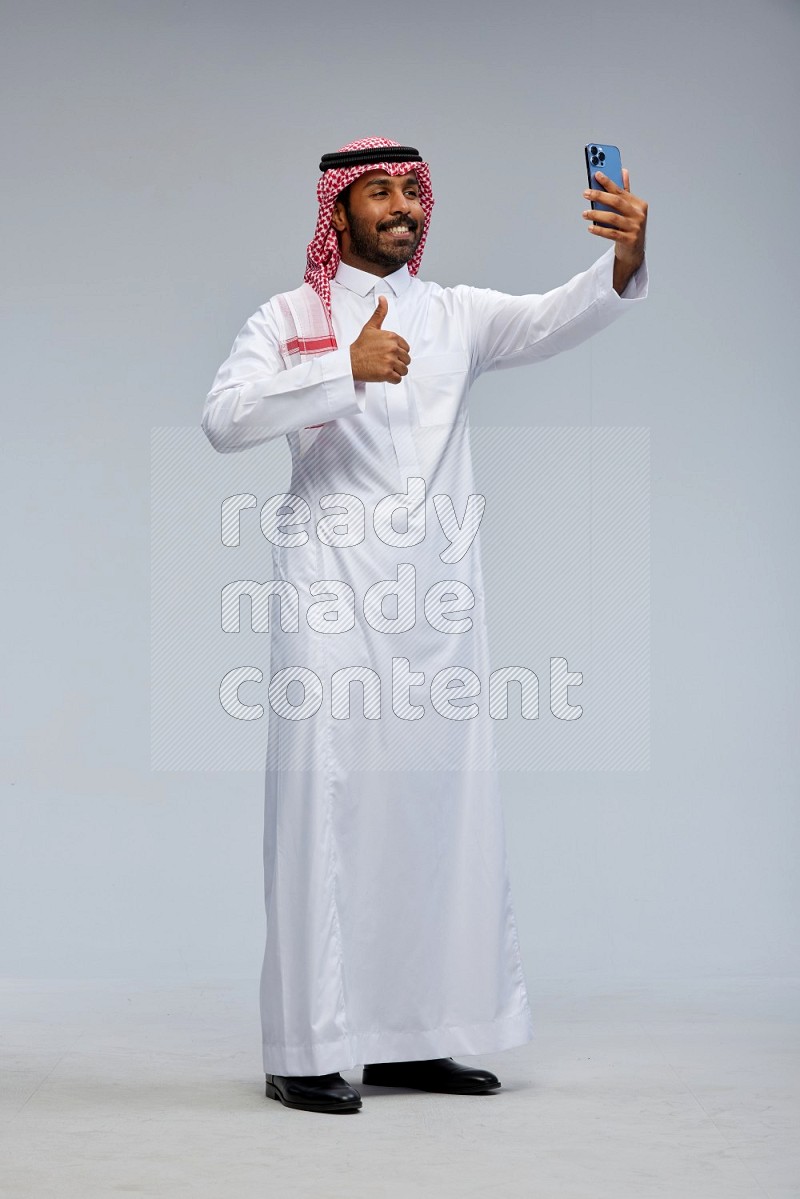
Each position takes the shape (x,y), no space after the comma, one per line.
(404,224)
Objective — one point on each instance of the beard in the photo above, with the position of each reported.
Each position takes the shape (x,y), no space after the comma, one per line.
(372,245)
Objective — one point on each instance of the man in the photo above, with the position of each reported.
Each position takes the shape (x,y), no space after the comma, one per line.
(391,937)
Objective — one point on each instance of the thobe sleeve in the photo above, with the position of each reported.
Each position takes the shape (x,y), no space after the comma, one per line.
(515,330)
(254,397)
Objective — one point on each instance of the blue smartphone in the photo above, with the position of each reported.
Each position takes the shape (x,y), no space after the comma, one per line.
(601,157)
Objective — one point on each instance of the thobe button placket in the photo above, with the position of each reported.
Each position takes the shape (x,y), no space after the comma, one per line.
(398,403)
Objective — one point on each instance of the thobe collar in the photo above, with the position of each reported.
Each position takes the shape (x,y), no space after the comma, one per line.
(364,282)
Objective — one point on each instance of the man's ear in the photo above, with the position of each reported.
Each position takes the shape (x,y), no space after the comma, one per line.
(339,217)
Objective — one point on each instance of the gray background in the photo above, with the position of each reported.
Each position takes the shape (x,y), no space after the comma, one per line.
(163,160)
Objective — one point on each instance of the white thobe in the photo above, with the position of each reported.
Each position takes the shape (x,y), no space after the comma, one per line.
(391,933)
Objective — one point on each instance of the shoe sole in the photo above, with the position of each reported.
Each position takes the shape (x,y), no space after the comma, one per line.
(480,1089)
(352,1106)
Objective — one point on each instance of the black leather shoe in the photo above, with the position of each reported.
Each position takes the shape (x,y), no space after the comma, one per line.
(314,1092)
(437,1074)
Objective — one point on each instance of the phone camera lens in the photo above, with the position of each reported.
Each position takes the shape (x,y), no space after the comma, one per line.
(602,156)
(594,160)
(594,149)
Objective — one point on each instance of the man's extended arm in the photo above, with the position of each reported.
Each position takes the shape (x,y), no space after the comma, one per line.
(518,330)
(515,330)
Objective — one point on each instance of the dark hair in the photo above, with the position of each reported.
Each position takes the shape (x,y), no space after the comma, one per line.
(344,197)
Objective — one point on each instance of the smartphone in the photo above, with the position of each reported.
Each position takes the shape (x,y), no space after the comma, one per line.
(600,157)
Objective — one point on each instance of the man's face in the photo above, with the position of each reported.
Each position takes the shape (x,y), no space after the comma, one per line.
(384,224)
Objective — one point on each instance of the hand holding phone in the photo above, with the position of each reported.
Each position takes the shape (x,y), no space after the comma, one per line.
(624,220)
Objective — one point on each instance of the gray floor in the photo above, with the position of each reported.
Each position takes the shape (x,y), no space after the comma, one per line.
(679,1088)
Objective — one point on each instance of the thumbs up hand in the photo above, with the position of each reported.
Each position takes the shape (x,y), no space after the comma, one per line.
(378,356)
